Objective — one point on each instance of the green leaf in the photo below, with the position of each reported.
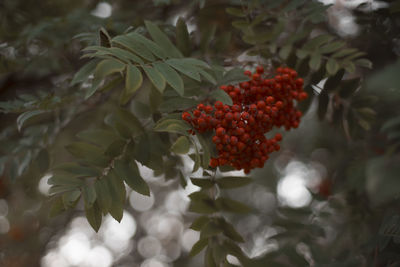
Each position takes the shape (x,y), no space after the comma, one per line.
(69,198)
(57,207)
(183,38)
(88,152)
(208,76)
(331,47)
(152,46)
(229,230)
(349,66)
(94,217)
(233,182)
(162,40)
(233,76)
(317,41)
(133,79)
(199,223)
(210,229)
(136,47)
(204,206)
(107,67)
(315,61)
(332,66)
(118,194)
(344,52)
(125,55)
(130,174)
(84,72)
(230,205)
(198,247)
(99,137)
(155,77)
(103,195)
(76,169)
(89,194)
(363,62)
(185,67)
(301,54)
(130,120)
(172,126)
(26,116)
(209,258)
(181,145)
(222,96)
(171,76)
(202,182)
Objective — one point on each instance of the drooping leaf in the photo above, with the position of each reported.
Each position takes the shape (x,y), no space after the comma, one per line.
(103,195)
(89,194)
(231,205)
(210,229)
(198,247)
(153,47)
(130,173)
(172,126)
(84,72)
(137,47)
(99,137)
(199,223)
(332,66)
(94,217)
(183,38)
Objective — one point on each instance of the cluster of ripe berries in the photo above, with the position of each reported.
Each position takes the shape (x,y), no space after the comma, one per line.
(258,105)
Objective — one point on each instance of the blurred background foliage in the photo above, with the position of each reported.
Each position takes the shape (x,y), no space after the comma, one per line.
(330,197)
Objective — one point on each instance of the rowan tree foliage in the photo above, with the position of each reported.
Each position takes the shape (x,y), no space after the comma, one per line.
(225,85)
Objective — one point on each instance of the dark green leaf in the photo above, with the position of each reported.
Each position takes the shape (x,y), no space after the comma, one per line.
(93,215)
(181,145)
(76,170)
(107,67)
(332,66)
(57,207)
(70,197)
(98,136)
(88,152)
(133,79)
(155,77)
(84,72)
(285,51)
(162,40)
(203,183)
(230,205)
(315,61)
(105,39)
(173,126)
(210,229)
(199,223)
(182,37)
(233,182)
(137,47)
(89,194)
(103,195)
(348,87)
(171,76)
(331,47)
(222,96)
(198,247)
(153,47)
(185,67)
(229,230)
(131,175)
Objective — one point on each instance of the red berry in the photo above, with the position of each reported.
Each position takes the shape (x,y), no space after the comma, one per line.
(220,131)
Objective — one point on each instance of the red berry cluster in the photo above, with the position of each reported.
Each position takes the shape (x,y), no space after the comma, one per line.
(258,106)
